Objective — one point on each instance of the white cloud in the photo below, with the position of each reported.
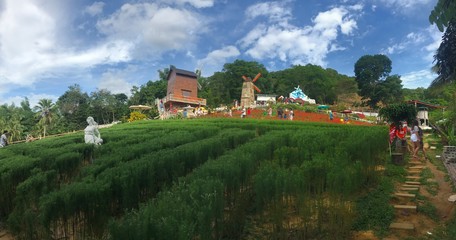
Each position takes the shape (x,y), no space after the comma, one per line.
(33,99)
(195,3)
(95,9)
(405,6)
(276,12)
(427,40)
(153,29)
(115,82)
(217,58)
(31,47)
(301,45)
(436,39)
(418,78)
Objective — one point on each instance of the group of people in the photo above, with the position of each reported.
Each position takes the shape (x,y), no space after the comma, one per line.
(285,114)
(416,137)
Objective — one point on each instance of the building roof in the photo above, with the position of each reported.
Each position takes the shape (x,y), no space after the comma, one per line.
(181,72)
(419,103)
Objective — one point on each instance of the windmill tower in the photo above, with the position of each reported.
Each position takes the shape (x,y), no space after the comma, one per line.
(248,90)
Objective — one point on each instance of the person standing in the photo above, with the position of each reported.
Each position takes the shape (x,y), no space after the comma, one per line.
(243,113)
(4,139)
(421,136)
(270,111)
(414,137)
(291,114)
(331,115)
(279,112)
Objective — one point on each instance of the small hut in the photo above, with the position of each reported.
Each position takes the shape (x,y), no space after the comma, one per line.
(423,112)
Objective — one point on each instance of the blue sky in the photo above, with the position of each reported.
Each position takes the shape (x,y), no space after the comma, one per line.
(48,45)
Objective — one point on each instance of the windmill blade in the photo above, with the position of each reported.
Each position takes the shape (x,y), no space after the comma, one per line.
(256,77)
(245,78)
(256,88)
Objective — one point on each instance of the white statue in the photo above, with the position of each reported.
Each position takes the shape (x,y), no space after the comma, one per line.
(92,135)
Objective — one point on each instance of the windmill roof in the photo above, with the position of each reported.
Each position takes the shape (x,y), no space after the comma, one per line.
(181,72)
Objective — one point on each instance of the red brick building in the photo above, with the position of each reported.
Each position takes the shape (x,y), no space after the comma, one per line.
(182,89)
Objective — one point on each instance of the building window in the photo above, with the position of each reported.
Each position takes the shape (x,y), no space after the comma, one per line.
(186,93)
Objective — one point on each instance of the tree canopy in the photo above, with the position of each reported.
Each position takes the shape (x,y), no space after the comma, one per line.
(374,82)
(443,13)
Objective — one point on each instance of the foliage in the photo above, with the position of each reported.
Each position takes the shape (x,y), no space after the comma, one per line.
(374,82)
(73,105)
(187,179)
(395,113)
(445,57)
(135,116)
(375,211)
(443,13)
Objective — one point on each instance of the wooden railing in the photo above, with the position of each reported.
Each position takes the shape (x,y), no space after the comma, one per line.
(190,100)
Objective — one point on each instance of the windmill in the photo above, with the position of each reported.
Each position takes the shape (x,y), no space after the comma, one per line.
(248,93)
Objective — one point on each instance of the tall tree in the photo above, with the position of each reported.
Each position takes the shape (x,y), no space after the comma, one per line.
(371,72)
(44,113)
(445,57)
(444,12)
(73,105)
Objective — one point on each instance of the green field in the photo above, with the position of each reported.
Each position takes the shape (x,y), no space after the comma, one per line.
(195,179)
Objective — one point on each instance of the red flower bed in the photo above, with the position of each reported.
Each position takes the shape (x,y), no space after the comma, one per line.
(298,116)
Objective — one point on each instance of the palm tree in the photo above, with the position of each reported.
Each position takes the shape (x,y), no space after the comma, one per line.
(44,112)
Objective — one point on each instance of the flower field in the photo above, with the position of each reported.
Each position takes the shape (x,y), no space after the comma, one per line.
(192,179)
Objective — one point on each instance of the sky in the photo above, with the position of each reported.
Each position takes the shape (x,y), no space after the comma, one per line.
(48,45)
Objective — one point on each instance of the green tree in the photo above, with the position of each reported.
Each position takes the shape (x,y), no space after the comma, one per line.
(391,90)
(445,57)
(371,74)
(443,13)
(45,113)
(73,105)
(103,105)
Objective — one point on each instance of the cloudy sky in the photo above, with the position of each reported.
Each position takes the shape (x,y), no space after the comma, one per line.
(48,45)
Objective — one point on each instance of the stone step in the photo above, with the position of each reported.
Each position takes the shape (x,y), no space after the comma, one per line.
(409,189)
(417,167)
(400,194)
(413,177)
(412,183)
(415,162)
(405,207)
(414,171)
(405,226)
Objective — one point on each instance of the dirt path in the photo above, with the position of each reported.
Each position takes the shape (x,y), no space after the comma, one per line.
(440,201)
(435,193)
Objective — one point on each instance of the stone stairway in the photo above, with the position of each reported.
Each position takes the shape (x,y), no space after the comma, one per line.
(405,195)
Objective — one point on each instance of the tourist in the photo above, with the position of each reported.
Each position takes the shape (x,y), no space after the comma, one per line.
(291,114)
(270,111)
(279,112)
(92,135)
(401,134)
(243,113)
(421,136)
(230,112)
(415,138)
(4,139)
(331,115)
(285,113)
(184,113)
